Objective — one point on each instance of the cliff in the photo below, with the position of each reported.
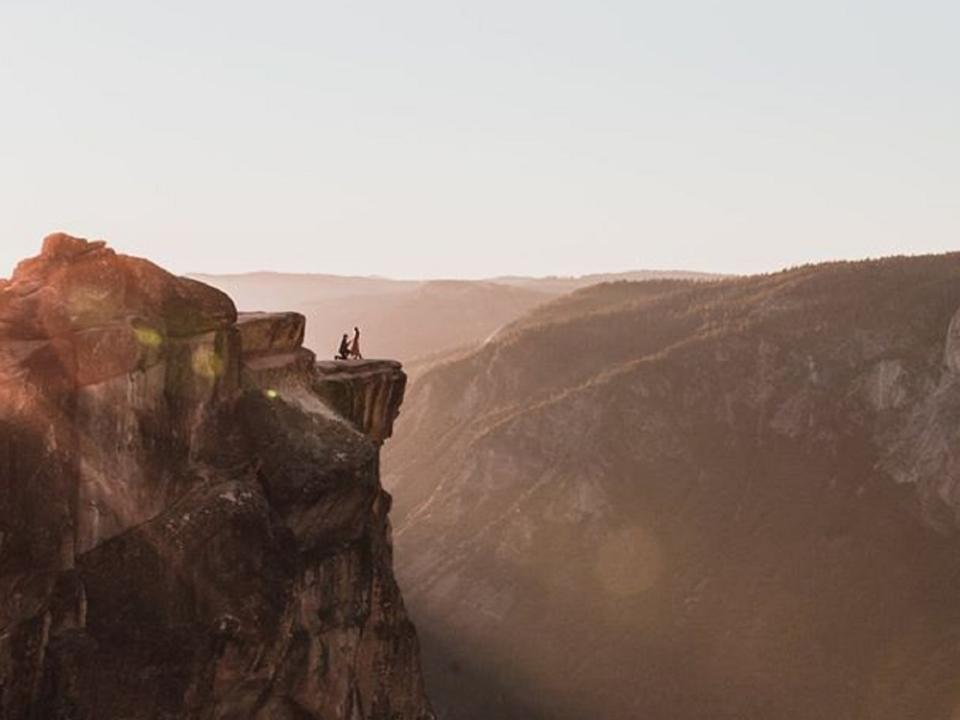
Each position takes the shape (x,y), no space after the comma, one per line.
(362,392)
(188,527)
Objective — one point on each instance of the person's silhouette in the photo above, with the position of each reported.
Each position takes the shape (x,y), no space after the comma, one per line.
(355,345)
(344,352)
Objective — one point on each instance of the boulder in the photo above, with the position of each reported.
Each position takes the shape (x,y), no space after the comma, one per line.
(270,333)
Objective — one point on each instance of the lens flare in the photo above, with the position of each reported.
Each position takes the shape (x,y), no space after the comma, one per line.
(148,337)
(207,363)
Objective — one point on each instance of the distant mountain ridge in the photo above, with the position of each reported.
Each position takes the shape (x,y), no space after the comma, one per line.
(405,319)
(674,500)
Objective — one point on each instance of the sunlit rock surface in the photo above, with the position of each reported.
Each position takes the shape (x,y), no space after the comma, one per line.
(188,529)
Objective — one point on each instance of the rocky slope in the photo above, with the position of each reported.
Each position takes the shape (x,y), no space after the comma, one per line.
(732,500)
(188,528)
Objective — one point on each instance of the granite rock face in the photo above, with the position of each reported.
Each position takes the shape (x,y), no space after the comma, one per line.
(187,528)
(363,391)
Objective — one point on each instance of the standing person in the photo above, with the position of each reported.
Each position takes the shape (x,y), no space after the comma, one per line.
(344,352)
(355,345)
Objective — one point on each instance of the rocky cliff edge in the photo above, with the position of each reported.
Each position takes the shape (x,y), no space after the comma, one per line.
(191,518)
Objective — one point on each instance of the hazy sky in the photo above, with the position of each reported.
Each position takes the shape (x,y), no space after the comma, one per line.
(475,138)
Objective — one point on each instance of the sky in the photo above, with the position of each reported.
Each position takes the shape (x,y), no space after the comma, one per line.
(470,139)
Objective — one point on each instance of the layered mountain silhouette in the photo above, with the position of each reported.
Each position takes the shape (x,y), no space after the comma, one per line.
(404,319)
(673,501)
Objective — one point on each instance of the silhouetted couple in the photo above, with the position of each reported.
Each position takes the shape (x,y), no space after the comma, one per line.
(350,349)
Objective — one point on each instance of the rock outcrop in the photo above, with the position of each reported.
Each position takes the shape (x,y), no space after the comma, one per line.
(188,527)
(365,392)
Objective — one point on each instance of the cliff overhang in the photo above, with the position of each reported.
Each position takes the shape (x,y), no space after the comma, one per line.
(191,517)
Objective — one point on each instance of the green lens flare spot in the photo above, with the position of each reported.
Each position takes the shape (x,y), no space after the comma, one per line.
(207,363)
(148,337)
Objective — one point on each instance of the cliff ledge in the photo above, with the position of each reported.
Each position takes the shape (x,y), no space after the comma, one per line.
(191,518)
